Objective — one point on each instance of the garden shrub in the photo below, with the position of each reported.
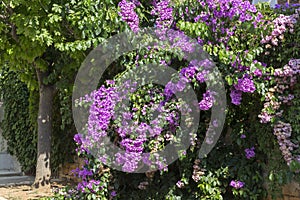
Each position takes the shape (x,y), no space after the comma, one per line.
(254,49)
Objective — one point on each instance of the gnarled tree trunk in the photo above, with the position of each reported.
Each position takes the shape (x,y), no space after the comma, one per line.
(43,170)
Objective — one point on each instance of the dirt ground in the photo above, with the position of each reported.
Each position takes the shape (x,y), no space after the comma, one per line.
(25,192)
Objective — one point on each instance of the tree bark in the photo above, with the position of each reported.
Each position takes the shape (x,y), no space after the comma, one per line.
(43,170)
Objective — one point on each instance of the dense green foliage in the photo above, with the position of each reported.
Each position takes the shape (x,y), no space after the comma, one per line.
(56,36)
(20,128)
(52,37)
(210,178)
(17,127)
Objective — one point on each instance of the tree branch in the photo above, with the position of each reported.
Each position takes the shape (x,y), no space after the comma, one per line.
(6,20)
(14,33)
(2,17)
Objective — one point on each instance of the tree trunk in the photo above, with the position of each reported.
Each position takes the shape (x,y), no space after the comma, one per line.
(43,170)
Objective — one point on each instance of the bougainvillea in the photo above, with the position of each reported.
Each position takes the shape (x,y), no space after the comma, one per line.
(207,102)
(286,78)
(283,133)
(281,25)
(129,15)
(250,153)
(238,36)
(164,13)
(236,96)
(237,184)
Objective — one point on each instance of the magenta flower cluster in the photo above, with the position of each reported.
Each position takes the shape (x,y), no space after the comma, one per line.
(216,13)
(282,25)
(78,140)
(107,115)
(197,171)
(180,184)
(180,42)
(164,13)
(236,96)
(270,102)
(129,15)
(83,185)
(87,183)
(250,153)
(285,78)
(237,184)
(245,84)
(207,101)
(171,88)
(283,132)
(288,74)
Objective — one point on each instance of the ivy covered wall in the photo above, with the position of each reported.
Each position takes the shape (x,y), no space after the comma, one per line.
(20,128)
(16,125)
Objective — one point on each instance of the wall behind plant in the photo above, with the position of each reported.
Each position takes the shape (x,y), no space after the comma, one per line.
(17,128)
(20,128)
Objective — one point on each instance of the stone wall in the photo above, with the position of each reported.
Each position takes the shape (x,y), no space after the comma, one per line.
(290,192)
(65,171)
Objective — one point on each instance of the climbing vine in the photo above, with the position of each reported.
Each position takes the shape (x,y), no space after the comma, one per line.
(17,127)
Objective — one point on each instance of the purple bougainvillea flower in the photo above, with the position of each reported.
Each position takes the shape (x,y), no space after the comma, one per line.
(236,96)
(78,139)
(243,136)
(237,184)
(129,15)
(250,153)
(113,193)
(257,73)
(208,100)
(179,184)
(245,84)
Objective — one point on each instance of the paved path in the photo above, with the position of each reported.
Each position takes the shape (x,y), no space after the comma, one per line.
(16,180)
